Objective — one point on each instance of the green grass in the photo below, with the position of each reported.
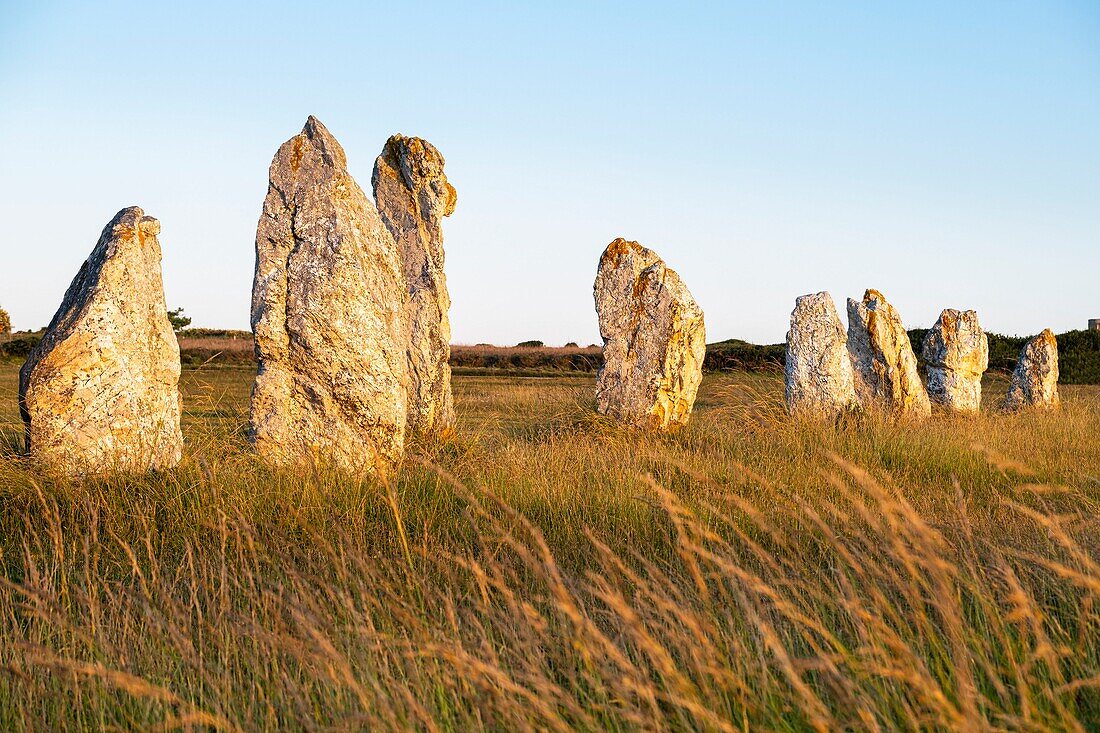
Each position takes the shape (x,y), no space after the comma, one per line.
(547,570)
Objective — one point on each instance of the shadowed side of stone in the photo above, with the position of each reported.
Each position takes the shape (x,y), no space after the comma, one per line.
(100,392)
(413,195)
(818,371)
(654,339)
(1035,379)
(956,354)
(327,304)
(883,362)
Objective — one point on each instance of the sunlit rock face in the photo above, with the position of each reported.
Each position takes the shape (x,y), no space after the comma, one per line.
(654,340)
(413,195)
(1035,379)
(100,392)
(956,354)
(327,306)
(819,380)
(884,365)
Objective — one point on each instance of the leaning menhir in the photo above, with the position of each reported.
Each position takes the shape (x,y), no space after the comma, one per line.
(1035,380)
(956,354)
(818,371)
(885,368)
(327,316)
(100,392)
(654,340)
(413,195)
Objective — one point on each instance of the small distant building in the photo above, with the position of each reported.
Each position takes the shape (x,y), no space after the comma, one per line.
(1094,324)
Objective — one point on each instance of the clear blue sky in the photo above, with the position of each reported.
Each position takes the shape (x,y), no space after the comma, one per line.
(945,153)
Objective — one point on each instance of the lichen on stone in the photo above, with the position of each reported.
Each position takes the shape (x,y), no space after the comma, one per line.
(654,339)
(100,392)
(327,306)
(818,379)
(956,354)
(883,362)
(1035,379)
(413,196)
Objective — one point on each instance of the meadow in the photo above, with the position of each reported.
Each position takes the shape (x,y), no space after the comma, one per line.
(545,569)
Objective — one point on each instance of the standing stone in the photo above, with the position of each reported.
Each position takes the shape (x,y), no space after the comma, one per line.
(884,365)
(413,196)
(654,340)
(818,371)
(327,303)
(100,392)
(1035,380)
(956,354)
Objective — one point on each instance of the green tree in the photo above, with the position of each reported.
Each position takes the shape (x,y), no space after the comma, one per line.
(5,324)
(178,319)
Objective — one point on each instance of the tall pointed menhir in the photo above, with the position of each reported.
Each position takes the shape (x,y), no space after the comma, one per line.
(327,306)
(413,195)
(654,340)
(100,392)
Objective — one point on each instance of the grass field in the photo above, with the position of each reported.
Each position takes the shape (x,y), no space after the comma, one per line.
(546,570)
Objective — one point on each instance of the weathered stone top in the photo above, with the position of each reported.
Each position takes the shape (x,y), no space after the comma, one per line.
(308,159)
(957,342)
(624,261)
(614,253)
(873,297)
(129,226)
(645,269)
(413,195)
(420,167)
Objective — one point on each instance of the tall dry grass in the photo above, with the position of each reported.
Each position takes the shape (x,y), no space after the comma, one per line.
(546,570)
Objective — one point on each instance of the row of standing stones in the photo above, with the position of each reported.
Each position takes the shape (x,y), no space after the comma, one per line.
(829,373)
(352,337)
(349,312)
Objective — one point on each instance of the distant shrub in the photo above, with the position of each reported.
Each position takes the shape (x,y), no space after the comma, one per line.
(1004,351)
(5,323)
(529,344)
(213,333)
(527,359)
(572,345)
(178,319)
(19,345)
(737,355)
(1079,357)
